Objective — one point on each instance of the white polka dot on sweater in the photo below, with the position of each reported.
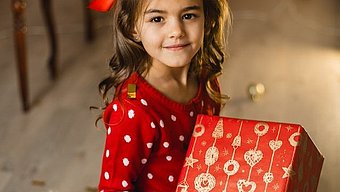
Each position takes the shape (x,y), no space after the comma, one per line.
(131,113)
(168,158)
(153,125)
(107,153)
(161,123)
(115,108)
(191,114)
(149,145)
(109,131)
(150,176)
(126,162)
(181,138)
(171,178)
(166,144)
(144,102)
(106,175)
(144,161)
(124,183)
(173,118)
(127,138)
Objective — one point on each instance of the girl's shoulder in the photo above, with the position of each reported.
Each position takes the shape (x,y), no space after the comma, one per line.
(128,104)
(123,110)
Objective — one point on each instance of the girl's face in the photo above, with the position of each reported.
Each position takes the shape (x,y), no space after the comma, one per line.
(172,32)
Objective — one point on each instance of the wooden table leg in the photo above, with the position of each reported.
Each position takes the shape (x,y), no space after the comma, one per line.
(48,17)
(20,29)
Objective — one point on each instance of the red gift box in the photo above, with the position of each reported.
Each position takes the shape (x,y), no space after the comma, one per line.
(237,155)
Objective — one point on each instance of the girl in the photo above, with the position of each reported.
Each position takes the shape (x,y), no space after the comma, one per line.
(166,58)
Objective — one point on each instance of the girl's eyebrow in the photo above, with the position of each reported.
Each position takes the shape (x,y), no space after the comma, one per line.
(194,7)
(190,8)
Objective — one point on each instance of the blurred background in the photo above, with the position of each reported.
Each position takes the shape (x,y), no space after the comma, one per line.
(288,49)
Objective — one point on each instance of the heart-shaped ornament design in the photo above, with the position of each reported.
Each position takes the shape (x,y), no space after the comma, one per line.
(275,145)
(252,157)
(246,186)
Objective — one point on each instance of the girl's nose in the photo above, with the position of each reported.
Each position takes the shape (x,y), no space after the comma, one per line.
(176,29)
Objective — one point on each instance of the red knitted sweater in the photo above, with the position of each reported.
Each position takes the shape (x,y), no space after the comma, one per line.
(147,138)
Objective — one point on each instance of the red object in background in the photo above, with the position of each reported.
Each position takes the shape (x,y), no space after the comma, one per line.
(229,154)
(101,5)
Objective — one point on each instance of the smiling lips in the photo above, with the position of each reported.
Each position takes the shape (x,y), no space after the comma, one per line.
(176,47)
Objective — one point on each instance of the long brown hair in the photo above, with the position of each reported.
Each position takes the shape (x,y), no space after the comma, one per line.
(130,56)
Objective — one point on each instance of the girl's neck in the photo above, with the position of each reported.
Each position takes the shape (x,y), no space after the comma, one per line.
(175,83)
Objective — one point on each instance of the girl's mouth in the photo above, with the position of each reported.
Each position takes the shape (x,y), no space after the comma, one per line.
(176,47)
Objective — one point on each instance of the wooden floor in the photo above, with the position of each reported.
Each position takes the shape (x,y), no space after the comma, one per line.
(55,147)
(290,47)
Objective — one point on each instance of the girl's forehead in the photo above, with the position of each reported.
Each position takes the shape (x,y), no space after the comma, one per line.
(170,4)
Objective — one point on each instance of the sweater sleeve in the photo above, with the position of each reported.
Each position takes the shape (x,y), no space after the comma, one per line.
(129,139)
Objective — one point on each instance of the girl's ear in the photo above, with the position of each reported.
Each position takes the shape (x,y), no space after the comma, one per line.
(136,38)
(136,35)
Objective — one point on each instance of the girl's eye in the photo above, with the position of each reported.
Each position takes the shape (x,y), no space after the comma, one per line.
(189,16)
(157,19)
